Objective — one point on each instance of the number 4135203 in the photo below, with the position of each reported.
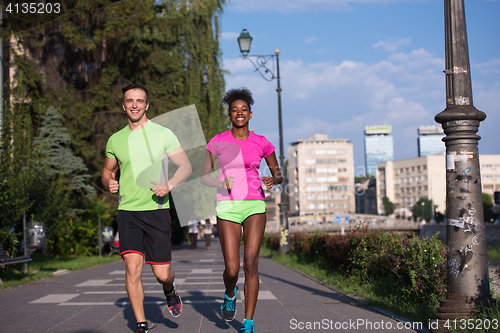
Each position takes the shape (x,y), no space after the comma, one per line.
(33,8)
(472,324)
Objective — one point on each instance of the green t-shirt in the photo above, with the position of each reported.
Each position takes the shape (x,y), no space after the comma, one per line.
(142,157)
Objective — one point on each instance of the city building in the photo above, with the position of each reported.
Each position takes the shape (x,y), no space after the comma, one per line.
(272,200)
(430,140)
(490,173)
(321,176)
(379,147)
(404,182)
(366,197)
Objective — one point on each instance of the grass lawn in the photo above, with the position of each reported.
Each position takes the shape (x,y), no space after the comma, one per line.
(43,266)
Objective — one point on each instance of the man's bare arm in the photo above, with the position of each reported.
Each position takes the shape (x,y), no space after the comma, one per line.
(108,175)
(178,157)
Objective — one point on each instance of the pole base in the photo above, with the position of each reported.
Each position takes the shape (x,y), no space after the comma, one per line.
(454,310)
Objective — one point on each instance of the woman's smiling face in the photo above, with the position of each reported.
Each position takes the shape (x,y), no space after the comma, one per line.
(239,113)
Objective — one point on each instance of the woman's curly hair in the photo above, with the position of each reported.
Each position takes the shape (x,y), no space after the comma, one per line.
(235,94)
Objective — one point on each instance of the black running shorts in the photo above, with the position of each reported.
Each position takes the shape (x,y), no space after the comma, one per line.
(146,233)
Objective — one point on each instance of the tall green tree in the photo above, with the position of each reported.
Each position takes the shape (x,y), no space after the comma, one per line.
(489,215)
(95,47)
(427,210)
(57,158)
(388,206)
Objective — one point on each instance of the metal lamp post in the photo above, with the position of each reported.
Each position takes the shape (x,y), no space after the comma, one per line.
(423,212)
(467,275)
(244,41)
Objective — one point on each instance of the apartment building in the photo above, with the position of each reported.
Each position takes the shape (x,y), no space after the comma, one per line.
(490,173)
(404,182)
(321,176)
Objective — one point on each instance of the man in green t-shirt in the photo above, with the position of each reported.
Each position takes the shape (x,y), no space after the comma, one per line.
(142,150)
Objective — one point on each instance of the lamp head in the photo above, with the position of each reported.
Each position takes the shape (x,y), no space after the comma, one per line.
(244,41)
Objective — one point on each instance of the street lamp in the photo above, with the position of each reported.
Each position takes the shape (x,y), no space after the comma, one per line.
(467,267)
(423,203)
(244,41)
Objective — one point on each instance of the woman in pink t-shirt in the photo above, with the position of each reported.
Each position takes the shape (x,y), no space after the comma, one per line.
(240,199)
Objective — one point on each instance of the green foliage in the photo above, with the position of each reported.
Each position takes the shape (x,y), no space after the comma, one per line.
(87,54)
(416,209)
(388,206)
(57,158)
(412,270)
(489,215)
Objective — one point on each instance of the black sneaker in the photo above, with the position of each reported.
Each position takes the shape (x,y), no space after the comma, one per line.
(142,328)
(174,302)
(228,308)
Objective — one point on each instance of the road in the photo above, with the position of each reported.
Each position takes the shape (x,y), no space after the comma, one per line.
(95,300)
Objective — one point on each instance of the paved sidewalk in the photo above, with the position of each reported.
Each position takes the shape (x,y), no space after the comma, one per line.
(95,300)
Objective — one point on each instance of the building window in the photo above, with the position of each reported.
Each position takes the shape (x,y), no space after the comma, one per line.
(309,152)
(321,161)
(333,170)
(310,170)
(341,151)
(320,152)
(331,152)
(310,161)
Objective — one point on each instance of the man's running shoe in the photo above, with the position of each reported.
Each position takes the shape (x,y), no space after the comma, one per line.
(247,326)
(142,328)
(228,308)
(174,302)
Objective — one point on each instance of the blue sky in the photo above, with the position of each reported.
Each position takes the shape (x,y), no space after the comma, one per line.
(349,63)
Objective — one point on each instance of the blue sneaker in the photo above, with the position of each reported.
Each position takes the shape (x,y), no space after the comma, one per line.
(247,326)
(228,308)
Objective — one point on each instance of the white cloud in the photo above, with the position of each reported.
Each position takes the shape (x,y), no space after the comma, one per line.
(391,45)
(406,90)
(490,67)
(230,36)
(310,40)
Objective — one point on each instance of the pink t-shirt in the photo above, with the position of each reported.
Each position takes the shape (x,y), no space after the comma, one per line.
(240,158)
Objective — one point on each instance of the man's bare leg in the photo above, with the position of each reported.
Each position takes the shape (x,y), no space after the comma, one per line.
(164,275)
(133,284)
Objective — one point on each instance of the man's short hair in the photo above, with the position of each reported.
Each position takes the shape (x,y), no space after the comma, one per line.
(135,86)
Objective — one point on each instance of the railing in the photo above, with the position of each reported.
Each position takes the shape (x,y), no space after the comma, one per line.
(343,223)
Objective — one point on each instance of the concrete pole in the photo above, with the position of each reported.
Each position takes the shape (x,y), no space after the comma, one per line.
(468,284)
